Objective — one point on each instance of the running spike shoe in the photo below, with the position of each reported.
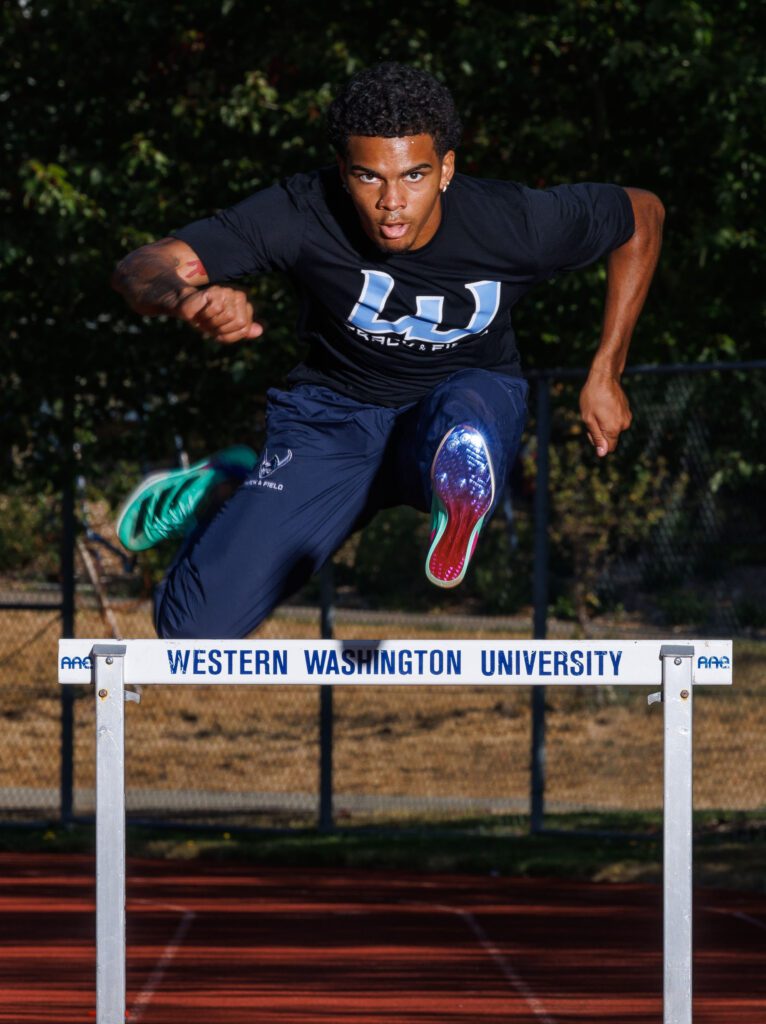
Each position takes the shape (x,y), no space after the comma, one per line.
(463,484)
(164,504)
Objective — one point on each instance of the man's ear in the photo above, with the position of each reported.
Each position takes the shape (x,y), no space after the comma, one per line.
(447,168)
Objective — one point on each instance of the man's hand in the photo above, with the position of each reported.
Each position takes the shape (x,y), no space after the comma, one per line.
(167,278)
(605,412)
(223,314)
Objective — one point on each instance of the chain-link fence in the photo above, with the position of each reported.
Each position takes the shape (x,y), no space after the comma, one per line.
(663,538)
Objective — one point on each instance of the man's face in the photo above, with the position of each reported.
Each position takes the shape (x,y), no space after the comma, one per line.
(395,186)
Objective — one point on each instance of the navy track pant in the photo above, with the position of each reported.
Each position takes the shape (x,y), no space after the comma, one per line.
(328,464)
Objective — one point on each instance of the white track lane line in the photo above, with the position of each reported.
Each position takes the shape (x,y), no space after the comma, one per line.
(510,974)
(144,997)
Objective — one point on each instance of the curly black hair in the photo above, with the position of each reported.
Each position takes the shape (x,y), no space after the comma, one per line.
(391,100)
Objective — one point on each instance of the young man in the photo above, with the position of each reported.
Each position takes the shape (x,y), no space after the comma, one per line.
(411,392)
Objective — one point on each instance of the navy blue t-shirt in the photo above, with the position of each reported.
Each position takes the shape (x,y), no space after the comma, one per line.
(386,329)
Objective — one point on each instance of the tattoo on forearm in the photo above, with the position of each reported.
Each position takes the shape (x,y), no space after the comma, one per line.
(150,281)
(194,268)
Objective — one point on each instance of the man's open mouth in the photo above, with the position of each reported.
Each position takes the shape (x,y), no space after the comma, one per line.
(393,231)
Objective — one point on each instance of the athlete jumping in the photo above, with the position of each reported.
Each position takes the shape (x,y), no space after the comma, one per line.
(411,392)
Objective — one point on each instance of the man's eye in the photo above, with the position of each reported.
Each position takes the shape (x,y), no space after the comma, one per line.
(415,176)
(367,178)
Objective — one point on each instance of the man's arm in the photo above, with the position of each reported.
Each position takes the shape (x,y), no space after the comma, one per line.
(603,404)
(167,278)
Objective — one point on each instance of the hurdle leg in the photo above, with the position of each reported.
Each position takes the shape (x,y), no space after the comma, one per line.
(110,833)
(677,689)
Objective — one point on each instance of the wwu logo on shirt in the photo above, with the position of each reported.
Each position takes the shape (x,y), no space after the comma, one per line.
(424,326)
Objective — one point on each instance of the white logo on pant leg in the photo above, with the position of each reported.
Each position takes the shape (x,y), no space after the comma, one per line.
(271,465)
(268,466)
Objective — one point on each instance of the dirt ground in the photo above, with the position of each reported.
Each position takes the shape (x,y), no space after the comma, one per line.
(439,749)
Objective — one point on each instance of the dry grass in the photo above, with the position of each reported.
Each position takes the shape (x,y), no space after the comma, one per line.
(604,749)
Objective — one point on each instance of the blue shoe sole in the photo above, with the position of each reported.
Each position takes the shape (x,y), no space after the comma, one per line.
(463,484)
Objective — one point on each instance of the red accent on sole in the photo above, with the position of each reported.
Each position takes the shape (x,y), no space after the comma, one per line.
(448,557)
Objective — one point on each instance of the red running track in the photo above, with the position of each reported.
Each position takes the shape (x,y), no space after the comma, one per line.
(218,944)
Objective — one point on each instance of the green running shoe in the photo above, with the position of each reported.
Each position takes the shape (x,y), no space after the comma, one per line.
(164,504)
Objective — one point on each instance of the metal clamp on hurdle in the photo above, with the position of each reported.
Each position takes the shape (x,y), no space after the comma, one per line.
(676,667)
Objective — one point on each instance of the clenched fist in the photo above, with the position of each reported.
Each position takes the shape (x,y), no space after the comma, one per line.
(224,314)
(605,412)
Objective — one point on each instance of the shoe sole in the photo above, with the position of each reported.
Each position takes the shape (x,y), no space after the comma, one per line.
(463,482)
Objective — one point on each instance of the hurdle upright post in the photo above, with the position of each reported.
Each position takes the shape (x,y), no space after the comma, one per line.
(677,690)
(326,821)
(540,600)
(110,832)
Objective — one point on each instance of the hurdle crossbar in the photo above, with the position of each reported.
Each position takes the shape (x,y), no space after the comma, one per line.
(675,667)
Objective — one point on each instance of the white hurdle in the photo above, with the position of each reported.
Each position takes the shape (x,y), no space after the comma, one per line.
(674,666)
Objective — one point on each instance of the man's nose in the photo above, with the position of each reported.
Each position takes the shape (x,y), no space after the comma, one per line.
(392,197)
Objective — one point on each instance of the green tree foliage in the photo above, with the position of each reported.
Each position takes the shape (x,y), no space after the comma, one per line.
(123,121)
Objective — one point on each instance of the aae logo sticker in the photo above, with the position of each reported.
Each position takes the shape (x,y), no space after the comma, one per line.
(75,663)
(713,662)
